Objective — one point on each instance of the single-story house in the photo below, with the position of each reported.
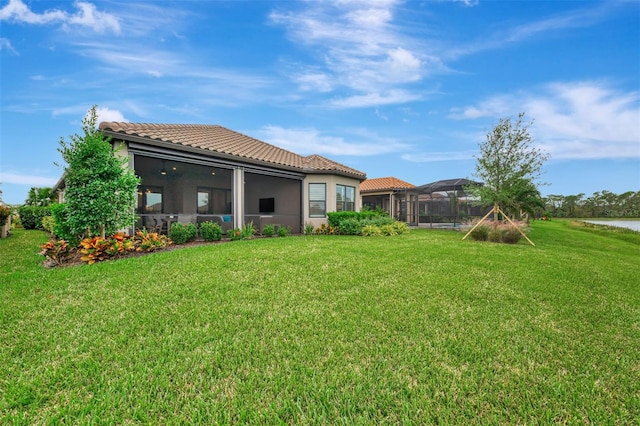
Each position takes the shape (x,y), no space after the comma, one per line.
(392,195)
(195,173)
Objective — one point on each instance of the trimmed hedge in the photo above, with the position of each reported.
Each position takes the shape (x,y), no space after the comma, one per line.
(336,218)
(31,216)
(352,223)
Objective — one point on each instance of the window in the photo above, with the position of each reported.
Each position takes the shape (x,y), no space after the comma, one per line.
(214,201)
(345,198)
(317,200)
(205,201)
(150,200)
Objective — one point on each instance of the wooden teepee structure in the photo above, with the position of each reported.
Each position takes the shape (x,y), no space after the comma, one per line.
(496,210)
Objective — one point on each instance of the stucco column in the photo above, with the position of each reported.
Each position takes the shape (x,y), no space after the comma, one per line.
(238,197)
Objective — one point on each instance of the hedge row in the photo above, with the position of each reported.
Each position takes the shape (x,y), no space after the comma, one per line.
(31,216)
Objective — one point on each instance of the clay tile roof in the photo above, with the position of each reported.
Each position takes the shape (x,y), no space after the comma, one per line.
(319,163)
(224,141)
(384,184)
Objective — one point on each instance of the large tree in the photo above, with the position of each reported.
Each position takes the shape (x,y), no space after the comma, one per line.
(100,192)
(509,165)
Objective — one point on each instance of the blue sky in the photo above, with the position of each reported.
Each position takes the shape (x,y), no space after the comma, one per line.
(393,88)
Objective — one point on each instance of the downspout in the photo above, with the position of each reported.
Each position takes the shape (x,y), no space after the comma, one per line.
(302,204)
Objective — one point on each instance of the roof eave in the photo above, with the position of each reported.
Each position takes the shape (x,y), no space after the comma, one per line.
(186,148)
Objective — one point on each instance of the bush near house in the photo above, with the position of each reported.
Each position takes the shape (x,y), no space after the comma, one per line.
(335,219)
(308,228)
(353,223)
(269,230)
(61,228)
(325,229)
(283,231)
(31,216)
(211,231)
(48,224)
(5,212)
(96,249)
(181,233)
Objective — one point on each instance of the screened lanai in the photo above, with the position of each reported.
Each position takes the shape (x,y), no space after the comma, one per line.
(176,191)
(445,203)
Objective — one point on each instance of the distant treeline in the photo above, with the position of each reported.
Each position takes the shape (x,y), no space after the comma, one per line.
(600,204)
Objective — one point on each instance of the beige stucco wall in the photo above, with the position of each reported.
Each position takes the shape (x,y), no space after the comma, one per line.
(331,181)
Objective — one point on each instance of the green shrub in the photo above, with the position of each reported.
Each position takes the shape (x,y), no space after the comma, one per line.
(234,234)
(181,233)
(350,226)
(269,230)
(31,216)
(308,228)
(495,234)
(511,235)
(400,227)
(283,231)
(48,224)
(61,228)
(211,231)
(371,231)
(5,212)
(335,219)
(480,233)
(389,230)
(378,220)
(248,231)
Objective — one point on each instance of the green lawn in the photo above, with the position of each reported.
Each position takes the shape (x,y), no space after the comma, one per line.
(422,328)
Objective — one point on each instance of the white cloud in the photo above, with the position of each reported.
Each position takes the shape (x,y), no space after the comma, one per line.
(307,141)
(106,114)
(375,99)
(509,33)
(6,44)
(17,11)
(26,179)
(103,113)
(318,81)
(578,120)
(362,50)
(87,16)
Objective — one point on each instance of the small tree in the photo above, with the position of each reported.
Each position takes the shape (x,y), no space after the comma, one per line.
(508,165)
(100,188)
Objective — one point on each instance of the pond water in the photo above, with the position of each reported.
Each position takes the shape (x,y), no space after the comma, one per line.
(629,224)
